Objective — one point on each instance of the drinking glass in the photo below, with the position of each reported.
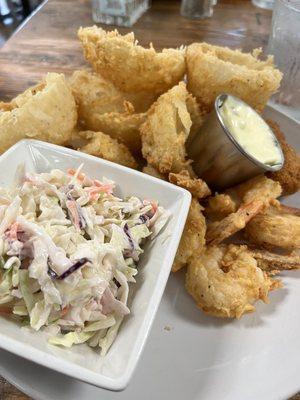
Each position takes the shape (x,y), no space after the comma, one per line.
(197,8)
(118,12)
(284,44)
(267,4)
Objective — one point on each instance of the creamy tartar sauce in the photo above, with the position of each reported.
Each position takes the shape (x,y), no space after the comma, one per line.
(250,131)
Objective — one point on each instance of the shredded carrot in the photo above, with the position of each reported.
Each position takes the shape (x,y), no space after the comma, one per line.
(72,172)
(108,188)
(99,189)
(12,234)
(64,311)
(97,183)
(154,206)
(73,210)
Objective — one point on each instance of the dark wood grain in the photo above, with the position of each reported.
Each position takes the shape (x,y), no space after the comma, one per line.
(47,42)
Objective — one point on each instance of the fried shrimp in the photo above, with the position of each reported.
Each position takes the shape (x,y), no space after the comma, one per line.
(276,227)
(46,112)
(289,175)
(219,206)
(166,130)
(212,70)
(196,186)
(225,281)
(255,196)
(127,65)
(193,238)
(268,261)
(103,108)
(103,146)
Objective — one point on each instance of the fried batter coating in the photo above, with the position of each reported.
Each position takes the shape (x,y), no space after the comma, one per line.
(212,70)
(103,146)
(256,195)
(219,206)
(289,175)
(127,65)
(225,281)
(149,170)
(6,106)
(166,130)
(193,238)
(276,227)
(268,261)
(95,94)
(196,186)
(46,112)
(103,108)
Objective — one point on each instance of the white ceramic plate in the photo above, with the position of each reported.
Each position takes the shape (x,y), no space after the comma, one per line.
(200,358)
(115,369)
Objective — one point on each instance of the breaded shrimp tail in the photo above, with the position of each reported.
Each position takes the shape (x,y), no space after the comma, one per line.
(129,66)
(212,70)
(225,281)
(46,112)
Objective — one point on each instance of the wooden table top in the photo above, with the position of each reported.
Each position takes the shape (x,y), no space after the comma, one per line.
(48,42)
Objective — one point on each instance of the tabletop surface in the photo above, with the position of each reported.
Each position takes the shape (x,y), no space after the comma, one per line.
(48,42)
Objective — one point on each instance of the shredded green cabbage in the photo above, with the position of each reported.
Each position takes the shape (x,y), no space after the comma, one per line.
(69,248)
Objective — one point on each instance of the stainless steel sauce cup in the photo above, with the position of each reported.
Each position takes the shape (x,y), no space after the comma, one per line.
(218,158)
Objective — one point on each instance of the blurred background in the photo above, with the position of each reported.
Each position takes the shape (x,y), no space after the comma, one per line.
(12,14)
(112,12)
(242,24)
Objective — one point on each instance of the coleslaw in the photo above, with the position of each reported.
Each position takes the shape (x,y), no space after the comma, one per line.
(69,248)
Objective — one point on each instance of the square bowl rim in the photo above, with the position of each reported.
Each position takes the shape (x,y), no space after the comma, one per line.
(68,367)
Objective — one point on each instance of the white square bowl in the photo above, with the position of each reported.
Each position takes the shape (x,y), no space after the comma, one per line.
(115,369)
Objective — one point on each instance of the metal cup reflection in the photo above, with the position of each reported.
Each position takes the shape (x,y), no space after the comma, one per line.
(218,158)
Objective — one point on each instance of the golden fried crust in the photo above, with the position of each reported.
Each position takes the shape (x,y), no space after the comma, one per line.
(225,281)
(103,146)
(95,94)
(219,206)
(193,237)
(166,130)
(149,170)
(123,127)
(103,108)
(289,175)
(129,66)
(46,112)
(255,195)
(6,106)
(196,186)
(270,262)
(275,228)
(212,70)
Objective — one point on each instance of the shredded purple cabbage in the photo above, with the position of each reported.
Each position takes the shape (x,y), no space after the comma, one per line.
(127,233)
(80,263)
(143,218)
(74,267)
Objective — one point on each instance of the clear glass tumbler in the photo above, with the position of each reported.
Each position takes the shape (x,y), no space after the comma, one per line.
(118,12)
(267,4)
(197,8)
(284,44)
